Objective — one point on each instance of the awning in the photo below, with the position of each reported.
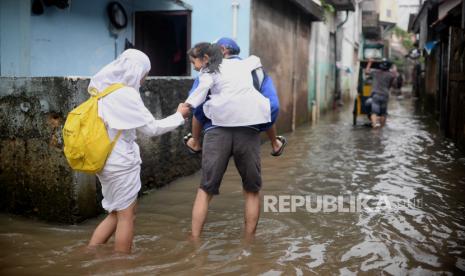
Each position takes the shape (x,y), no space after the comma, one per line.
(182,4)
(310,8)
(445,9)
(446,6)
(342,5)
(422,14)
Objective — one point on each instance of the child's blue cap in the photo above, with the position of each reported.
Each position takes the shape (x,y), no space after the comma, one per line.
(229,44)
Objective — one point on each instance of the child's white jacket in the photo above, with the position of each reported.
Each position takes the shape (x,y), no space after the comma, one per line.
(233,100)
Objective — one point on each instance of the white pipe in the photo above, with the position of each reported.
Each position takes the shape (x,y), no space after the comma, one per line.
(235,9)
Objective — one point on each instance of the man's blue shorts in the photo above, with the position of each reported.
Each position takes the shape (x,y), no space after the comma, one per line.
(379,104)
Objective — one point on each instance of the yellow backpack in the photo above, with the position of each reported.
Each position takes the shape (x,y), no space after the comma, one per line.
(87,145)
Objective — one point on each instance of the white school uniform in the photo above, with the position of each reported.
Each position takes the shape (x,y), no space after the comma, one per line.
(120,178)
(124,110)
(233,101)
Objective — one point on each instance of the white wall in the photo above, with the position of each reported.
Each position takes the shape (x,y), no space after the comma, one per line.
(351,32)
(321,66)
(406,7)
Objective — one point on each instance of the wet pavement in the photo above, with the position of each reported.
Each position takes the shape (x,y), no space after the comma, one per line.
(420,229)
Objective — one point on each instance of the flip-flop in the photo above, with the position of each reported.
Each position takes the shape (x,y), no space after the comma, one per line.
(281,149)
(191,150)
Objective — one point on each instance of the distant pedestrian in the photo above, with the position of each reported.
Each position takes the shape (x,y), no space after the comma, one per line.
(400,82)
(383,80)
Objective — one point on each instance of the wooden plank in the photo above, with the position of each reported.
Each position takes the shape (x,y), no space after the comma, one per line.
(457,77)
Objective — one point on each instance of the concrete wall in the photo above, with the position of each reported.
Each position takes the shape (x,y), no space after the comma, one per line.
(322,66)
(280,36)
(77,41)
(14,37)
(70,42)
(212,19)
(35,178)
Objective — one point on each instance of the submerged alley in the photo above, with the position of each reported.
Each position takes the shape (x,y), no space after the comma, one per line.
(363,98)
(407,161)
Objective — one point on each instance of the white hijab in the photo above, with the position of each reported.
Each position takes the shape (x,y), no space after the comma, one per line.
(129,68)
(123,110)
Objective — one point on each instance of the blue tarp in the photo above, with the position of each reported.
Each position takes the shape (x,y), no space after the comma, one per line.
(430,45)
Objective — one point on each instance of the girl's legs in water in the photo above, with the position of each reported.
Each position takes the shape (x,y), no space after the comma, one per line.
(125,229)
(104,230)
(122,224)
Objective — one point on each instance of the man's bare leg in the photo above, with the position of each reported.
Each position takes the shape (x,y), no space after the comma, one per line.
(104,230)
(272,133)
(199,212)
(382,120)
(194,142)
(374,120)
(125,229)
(251,213)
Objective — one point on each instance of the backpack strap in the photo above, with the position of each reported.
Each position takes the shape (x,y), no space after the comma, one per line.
(258,75)
(105,92)
(113,143)
(109,90)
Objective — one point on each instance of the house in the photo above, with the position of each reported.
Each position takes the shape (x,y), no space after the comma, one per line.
(440,26)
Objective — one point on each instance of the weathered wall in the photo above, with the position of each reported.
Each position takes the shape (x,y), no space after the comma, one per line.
(322,67)
(35,178)
(431,81)
(280,36)
(456,94)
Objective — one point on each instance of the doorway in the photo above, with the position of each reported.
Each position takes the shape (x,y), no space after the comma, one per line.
(165,37)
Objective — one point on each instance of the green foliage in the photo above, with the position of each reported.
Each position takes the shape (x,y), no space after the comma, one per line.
(405,36)
(399,62)
(327,7)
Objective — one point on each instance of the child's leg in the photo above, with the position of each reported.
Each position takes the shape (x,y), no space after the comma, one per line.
(194,142)
(104,230)
(125,229)
(272,135)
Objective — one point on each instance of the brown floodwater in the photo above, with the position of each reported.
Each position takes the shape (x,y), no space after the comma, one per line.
(407,162)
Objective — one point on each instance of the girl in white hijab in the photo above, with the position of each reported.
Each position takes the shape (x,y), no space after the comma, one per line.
(123,110)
